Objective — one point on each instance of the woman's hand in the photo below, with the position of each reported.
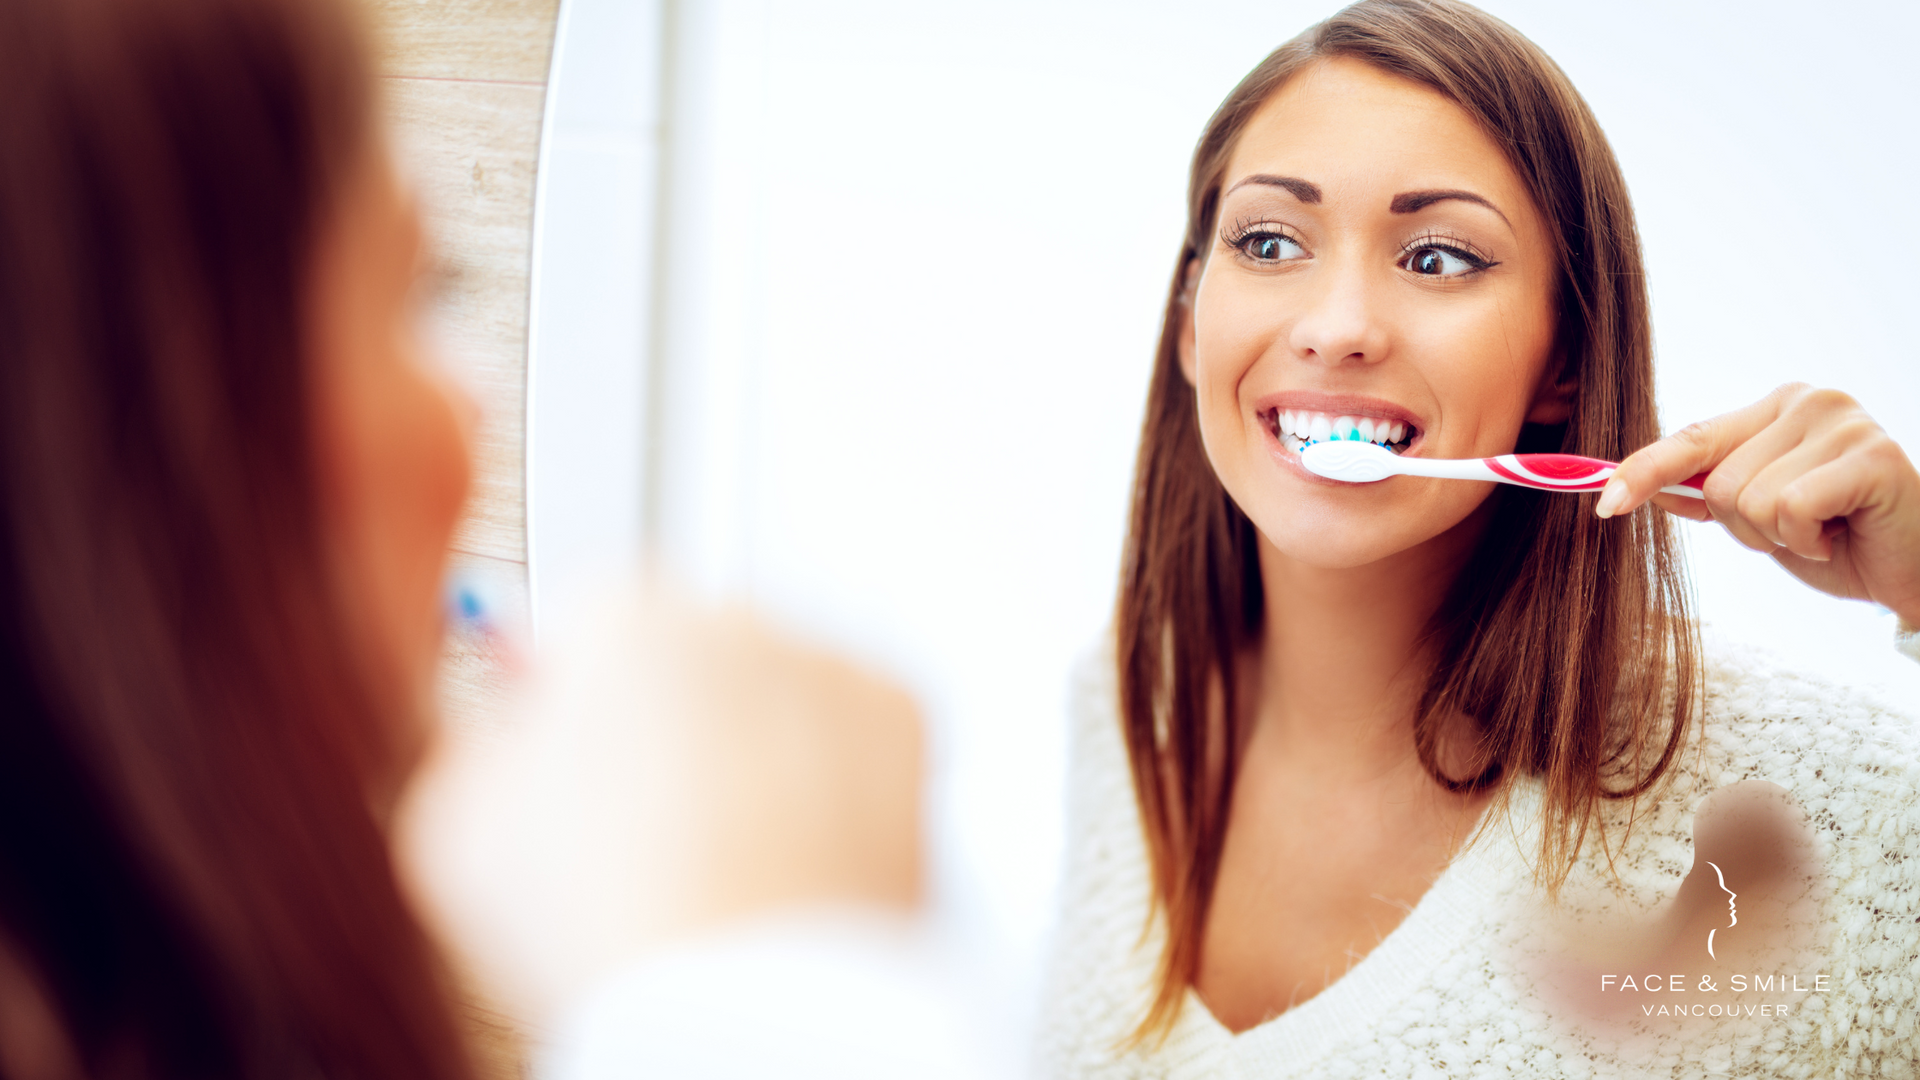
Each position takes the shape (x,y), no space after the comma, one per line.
(1804,475)
(678,768)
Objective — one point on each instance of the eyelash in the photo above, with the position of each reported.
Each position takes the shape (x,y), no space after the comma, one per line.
(1452,245)
(1243,231)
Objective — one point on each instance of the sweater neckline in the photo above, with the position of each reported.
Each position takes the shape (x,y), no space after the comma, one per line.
(1463,895)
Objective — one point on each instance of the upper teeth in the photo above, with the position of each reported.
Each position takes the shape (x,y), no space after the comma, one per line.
(1324,427)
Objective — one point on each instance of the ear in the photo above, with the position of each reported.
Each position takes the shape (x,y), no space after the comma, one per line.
(1183,311)
(1553,402)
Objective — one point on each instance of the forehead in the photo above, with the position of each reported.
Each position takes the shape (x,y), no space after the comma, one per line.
(1356,131)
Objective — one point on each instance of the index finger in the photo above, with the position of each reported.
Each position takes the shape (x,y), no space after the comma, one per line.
(1686,453)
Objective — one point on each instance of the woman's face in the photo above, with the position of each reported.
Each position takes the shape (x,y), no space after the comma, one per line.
(392,432)
(1377,263)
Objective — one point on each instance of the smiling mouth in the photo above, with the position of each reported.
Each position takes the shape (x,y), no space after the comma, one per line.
(1298,429)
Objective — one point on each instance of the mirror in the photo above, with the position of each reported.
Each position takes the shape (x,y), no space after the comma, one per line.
(869,343)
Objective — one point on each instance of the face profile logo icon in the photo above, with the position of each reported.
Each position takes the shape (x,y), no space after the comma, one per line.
(1732,912)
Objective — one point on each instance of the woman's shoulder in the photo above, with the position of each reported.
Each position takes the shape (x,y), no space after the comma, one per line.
(1763,718)
(1096,740)
(1850,759)
(1099,964)
(1106,853)
(1095,683)
(1849,756)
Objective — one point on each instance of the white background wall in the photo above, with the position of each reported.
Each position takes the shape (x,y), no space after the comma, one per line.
(913,255)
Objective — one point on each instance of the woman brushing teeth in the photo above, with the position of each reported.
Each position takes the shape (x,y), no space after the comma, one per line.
(1405,228)
(1414,284)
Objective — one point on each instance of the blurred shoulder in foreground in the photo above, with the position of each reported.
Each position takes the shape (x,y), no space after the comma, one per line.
(695,846)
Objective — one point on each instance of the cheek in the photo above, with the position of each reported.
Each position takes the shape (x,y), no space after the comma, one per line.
(404,482)
(1485,368)
(1234,326)
(1233,331)
(420,472)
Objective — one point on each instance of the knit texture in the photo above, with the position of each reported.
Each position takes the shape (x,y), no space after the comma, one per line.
(1450,992)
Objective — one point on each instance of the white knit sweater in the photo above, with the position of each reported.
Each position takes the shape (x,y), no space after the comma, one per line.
(1444,995)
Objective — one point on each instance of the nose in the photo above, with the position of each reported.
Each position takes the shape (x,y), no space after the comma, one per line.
(1340,322)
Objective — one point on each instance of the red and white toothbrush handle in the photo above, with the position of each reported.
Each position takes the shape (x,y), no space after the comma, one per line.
(1571,472)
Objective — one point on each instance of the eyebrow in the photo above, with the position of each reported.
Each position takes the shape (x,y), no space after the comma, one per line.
(1303,190)
(1409,201)
(1406,202)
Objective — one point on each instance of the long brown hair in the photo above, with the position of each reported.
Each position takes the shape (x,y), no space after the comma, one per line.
(1566,638)
(193,877)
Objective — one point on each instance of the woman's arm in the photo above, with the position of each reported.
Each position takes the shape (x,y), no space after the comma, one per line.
(1804,475)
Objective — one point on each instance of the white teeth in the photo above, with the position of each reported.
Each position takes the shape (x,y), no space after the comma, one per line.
(1308,426)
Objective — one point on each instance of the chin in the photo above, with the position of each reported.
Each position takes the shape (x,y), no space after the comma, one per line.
(1346,546)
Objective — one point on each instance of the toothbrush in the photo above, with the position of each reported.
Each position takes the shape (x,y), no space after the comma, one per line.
(472,609)
(1365,462)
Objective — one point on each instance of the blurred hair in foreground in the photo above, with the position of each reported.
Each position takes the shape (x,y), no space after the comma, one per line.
(195,760)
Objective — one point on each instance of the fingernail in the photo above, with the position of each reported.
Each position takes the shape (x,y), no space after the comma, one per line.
(1611,497)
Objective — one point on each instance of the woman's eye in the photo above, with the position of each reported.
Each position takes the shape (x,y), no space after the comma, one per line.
(1269,247)
(1441,262)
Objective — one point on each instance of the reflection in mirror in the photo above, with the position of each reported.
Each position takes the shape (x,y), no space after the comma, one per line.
(848,307)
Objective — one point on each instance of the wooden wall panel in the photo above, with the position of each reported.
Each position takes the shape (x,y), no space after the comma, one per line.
(465,88)
(472,148)
(467,40)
